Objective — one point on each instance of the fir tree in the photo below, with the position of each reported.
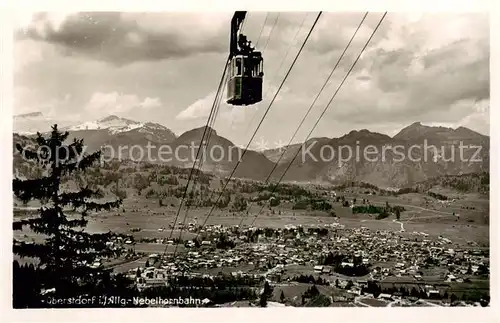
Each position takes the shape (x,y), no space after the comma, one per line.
(453,298)
(65,255)
(282,297)
(266,293)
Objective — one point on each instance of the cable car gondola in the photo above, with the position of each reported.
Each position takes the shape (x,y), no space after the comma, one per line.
(245,67)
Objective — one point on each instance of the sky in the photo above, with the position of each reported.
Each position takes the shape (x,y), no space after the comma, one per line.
(165,68)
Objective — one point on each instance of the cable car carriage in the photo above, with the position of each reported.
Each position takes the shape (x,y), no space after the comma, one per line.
(246,72)
(245,79)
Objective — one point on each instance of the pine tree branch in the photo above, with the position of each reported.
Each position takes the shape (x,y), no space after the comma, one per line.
(92,206)
(28,154)
(30,189)
(63,135)
(75,149)
(76,223)
(84,163)
(18,225)
(77,199)
(33,250)
(40,140)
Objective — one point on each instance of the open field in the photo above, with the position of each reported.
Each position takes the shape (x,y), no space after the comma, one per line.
(372,302)
(433,222)
(149,225)
(435,219)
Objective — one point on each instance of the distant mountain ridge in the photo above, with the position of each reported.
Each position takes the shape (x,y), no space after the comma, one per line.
(419,131)
(385,171)
(383,167)
(221,155)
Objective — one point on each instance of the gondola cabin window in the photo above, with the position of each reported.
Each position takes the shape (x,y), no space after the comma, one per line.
(257,67)
(238,63)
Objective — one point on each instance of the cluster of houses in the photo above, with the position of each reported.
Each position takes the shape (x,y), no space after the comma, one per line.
(389,254)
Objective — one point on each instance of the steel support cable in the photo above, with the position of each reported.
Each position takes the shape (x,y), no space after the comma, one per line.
(218,106)
(262,29)
(279,68)
(202,158)
(282,62)
(197,153)
(314,101)
(261,121)
(270,33)
(212,123)
(323,112)
(243,24)
(219,100)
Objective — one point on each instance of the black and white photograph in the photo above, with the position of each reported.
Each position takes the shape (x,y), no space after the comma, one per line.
(250,159)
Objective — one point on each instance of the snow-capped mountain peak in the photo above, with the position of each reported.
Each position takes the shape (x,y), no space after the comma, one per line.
(112,123)
(110,126)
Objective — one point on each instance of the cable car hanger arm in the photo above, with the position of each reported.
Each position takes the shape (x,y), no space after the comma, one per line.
(236,22)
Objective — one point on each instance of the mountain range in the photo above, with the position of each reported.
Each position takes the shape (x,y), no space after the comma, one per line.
(428,152)
(382,167)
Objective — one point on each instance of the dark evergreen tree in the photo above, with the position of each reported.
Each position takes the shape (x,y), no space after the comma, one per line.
(266,293)
(312,291)
(453,298)
(349,284)
(65,255)
(282,297)
(239,204)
